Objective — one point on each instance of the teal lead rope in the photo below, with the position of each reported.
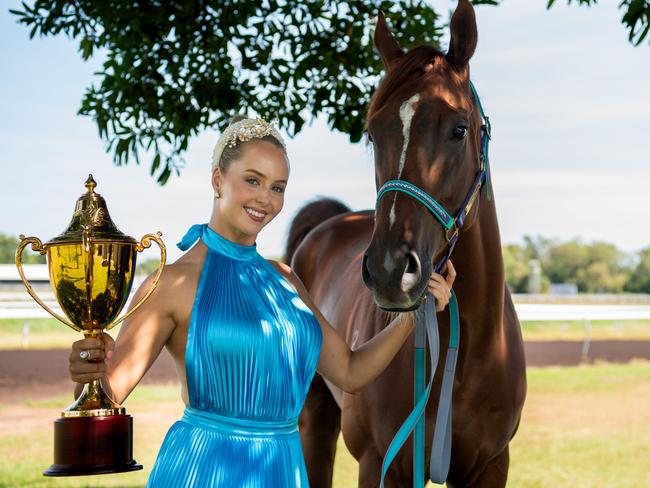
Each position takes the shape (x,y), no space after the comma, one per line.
(426,320)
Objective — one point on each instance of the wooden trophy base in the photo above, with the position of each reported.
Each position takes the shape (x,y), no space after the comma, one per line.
(93,445)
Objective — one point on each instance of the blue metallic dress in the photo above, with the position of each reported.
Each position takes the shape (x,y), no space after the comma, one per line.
(252,350)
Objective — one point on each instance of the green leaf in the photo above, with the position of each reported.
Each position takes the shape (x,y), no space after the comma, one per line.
(155,163)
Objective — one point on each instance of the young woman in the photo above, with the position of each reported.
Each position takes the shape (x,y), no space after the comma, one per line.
(244,333)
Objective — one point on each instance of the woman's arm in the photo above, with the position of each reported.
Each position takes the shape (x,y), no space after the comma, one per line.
(352,370)
(120,364)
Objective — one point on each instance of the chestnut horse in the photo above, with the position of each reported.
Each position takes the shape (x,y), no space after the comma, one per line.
(424,125)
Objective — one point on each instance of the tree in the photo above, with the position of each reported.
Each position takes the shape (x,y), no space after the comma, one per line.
(597,277)
(173,69)
(598,267)
(519,262)
(639,280)
(516,268)
(564,260)
(8,245)
(147,266)
(636,16)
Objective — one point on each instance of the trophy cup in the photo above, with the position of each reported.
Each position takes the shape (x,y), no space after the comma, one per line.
(91,267)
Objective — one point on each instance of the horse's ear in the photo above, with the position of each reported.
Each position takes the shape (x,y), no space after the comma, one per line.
(464,35)
(385,43)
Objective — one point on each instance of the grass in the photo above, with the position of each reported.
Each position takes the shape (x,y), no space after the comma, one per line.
(583,427)
(43,334)
(575,330)
(51,334)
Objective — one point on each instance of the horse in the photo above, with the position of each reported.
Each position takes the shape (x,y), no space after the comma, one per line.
(361,268)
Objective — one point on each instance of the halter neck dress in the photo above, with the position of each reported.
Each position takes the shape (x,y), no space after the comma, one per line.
(252,350)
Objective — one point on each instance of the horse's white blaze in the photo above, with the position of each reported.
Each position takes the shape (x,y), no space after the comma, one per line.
(391,216)
(406,113)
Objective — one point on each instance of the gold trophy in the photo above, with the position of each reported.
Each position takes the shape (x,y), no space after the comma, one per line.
(91,267)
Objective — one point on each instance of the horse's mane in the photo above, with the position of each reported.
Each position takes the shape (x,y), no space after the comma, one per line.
(408,67)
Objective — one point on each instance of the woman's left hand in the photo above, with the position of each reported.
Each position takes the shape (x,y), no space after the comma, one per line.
(440,286)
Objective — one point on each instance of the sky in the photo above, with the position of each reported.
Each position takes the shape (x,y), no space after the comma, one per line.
(566,92)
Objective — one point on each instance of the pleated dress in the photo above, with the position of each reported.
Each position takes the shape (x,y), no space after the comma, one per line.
(252,350)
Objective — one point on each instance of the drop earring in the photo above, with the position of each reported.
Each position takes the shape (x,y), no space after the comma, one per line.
(216,194)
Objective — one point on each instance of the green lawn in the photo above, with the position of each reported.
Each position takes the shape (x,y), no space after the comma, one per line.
(575,330)
(583,427)
(43,334)
(49,333)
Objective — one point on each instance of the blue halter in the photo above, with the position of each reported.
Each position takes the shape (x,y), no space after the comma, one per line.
(427,330)
(452,225)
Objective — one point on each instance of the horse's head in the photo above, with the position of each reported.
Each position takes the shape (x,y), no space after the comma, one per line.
(425,130)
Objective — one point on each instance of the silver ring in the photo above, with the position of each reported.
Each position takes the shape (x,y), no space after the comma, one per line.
(84,355)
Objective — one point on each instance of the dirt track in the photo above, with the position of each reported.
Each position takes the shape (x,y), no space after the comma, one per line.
(41,374)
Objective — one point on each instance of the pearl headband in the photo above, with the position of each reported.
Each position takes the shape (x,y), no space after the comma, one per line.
(244,131)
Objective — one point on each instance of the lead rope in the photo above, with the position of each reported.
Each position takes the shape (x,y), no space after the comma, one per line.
(426,319)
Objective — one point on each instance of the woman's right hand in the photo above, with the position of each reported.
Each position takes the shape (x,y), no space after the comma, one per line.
(93,366)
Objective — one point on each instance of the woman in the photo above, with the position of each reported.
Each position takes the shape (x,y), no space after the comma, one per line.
(243,331)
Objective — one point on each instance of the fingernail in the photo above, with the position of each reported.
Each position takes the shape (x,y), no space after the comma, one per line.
(109,354)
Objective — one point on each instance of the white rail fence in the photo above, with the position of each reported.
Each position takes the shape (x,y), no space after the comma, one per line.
(19,305)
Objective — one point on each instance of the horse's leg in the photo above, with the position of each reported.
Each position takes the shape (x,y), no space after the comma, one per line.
(370,472)
(320,424)
(494,475)
(369,468)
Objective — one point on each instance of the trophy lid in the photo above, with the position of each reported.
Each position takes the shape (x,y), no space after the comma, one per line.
(91,214)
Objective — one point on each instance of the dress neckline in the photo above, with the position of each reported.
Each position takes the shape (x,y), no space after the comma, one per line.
(216,242)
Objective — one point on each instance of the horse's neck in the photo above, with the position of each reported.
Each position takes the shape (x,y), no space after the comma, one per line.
(480,282)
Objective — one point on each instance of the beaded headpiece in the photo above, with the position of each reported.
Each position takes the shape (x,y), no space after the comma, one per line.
(244,131)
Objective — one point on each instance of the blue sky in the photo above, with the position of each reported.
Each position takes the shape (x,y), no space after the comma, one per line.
(567,94)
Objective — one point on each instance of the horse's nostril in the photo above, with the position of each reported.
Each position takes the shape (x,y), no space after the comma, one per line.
(412,263)
(365,274)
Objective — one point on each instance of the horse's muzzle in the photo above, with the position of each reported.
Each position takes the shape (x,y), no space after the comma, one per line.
(396,281)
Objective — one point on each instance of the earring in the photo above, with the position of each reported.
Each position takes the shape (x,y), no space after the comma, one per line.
(216,194)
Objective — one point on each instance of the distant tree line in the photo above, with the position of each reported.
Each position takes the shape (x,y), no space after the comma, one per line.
(596,267)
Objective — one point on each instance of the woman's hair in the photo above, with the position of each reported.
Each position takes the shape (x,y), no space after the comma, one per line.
(231,153)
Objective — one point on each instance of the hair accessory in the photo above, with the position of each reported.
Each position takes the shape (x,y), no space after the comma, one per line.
(244,131)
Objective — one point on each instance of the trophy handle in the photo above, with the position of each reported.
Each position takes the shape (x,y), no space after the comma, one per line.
(37,246)
(145,243)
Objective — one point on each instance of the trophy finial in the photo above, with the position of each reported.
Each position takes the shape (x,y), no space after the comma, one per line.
(90,184)
(91,217)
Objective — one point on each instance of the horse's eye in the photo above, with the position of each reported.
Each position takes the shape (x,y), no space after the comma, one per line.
(460,131)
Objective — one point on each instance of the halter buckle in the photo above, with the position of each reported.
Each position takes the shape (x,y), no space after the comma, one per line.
(451,233)
(487,127)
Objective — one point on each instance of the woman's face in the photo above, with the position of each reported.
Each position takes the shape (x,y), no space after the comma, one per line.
(251,190)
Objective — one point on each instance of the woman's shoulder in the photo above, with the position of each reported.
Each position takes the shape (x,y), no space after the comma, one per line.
(185,271)
(284,270)
(281,267)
